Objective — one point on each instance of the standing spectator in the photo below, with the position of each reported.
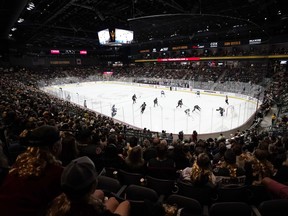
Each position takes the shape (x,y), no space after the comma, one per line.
(34,179)
(194,136)
(273,118)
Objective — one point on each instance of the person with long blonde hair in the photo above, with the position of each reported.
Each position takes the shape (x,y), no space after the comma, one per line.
(34,179)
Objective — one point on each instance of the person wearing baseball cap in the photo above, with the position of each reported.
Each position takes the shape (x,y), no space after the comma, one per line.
(80,197)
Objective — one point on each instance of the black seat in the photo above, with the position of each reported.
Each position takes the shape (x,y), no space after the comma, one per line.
(162,172)
(109,171)
(144,201)
(203,194)
(190,206)
(161,186)
(109,185)
(137,192)
(259,194)
(127,178)
(233,194)
(230,209)
(278,207)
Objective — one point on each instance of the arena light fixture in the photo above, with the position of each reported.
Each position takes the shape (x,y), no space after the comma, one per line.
(30,6)
(20,20)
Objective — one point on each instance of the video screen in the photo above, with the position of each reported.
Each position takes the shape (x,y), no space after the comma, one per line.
(123,36)
(104,36)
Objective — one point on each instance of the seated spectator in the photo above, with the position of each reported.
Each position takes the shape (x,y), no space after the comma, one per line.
(4,165)
(69,148)
(150,149)
(162,166)
(282,173)
(261,167)
(134,162)
(182,156)
(201,172)
(34,179)
(111,157)
(219,156)
(80,197)
(132,142)
(228,173)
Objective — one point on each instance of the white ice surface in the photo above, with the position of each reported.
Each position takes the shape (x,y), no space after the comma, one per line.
(101,96)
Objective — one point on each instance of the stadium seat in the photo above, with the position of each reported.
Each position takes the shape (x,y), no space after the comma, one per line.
(230,209)
(233,194)
(109,185)
(127,178)
(163,187)
(189,206)
(205,194)
(278,207)
(144,201)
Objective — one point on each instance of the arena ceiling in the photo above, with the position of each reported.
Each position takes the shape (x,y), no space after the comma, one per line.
(75,23)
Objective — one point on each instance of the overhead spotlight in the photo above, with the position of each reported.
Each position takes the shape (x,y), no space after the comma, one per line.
(20,20)
(279,12)
(30,6)
(10,35)
(14,29)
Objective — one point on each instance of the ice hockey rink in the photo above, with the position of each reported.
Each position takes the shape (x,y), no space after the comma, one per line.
(100,96)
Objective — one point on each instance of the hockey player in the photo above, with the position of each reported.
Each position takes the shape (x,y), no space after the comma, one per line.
(163,93)
(196,107)
(113,111)
(187,112)
(226,100)
(155,101)
(85,104)
(143,106)
(134,98)
(198,93)
(221,110)
(180,103)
